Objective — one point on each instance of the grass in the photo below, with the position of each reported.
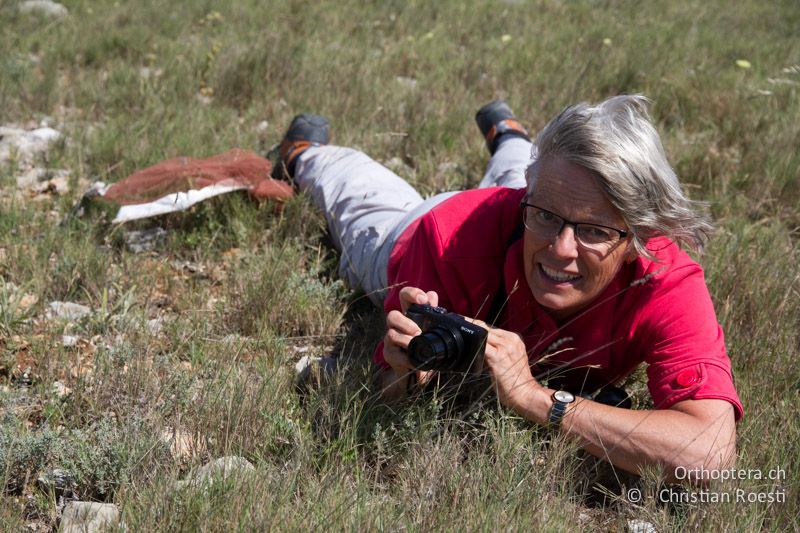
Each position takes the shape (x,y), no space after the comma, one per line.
(242,291)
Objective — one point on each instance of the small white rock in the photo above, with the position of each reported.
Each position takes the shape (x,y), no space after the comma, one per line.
(25,145)
(305,366)
(641,526)
(69,341)
(405,81)
(88,517)
(58,185)
(232,340)
(44,135)
(144,240)
(31,177)
(182,444)
(45,7)
(57,480)
(262,127)
(218,470)
(67,310)
(155,326)
(60,390)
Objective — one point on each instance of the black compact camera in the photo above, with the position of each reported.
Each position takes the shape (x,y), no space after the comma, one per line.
(447,342)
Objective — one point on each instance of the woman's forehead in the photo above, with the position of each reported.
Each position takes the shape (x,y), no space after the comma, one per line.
(573,192)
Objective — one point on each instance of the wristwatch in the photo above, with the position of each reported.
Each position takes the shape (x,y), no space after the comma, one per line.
(561,401)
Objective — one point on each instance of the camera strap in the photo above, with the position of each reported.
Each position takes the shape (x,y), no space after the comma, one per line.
(500,297)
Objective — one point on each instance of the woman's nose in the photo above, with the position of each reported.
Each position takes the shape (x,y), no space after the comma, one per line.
(565,243)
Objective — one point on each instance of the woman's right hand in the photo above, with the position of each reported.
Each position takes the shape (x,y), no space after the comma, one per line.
(399,331)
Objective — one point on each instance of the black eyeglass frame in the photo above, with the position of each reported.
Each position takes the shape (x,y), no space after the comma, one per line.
(564,222)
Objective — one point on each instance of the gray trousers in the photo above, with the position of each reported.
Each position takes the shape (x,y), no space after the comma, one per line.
(367,206)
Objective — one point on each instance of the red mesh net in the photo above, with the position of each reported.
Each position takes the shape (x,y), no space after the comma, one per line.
(235,167)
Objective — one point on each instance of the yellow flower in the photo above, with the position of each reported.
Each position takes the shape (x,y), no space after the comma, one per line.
(743,63)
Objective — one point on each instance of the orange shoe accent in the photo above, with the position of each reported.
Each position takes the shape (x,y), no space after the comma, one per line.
(513,124)
(290,150)
(509,124)
(490,135)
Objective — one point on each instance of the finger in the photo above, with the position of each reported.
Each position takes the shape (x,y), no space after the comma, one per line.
(478,322)
(398,338)
(400,322)
(396,357)
(433,298)
(496,336)
(412,295)
(506,360)
(499,336)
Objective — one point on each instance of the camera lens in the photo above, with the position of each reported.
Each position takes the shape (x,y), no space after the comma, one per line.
(436,349)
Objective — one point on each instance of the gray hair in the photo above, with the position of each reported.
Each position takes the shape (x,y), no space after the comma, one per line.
(617,141)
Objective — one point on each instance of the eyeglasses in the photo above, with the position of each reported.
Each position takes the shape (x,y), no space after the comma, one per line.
(548,225)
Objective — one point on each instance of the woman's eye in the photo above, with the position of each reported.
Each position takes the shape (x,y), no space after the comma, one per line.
(546,217)
(595,234)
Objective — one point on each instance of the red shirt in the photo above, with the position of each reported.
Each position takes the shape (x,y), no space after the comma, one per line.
(659,313)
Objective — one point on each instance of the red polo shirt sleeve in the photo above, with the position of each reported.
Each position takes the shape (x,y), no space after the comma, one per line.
(682,341)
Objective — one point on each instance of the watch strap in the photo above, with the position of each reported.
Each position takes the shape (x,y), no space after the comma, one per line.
(558,410)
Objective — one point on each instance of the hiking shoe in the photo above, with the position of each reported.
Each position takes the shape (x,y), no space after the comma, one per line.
(496,121)
(306,130)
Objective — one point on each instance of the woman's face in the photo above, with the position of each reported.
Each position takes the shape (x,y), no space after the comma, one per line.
(563,275)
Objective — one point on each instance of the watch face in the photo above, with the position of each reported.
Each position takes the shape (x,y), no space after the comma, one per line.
(564,396)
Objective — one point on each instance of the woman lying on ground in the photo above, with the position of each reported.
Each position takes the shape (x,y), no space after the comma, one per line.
(578,239)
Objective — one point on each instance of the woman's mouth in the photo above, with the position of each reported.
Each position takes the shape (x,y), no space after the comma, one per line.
(557,276)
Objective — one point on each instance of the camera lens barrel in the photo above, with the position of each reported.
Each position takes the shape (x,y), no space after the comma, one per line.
(438,348)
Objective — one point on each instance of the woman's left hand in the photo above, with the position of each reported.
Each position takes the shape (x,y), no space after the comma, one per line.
(507,359)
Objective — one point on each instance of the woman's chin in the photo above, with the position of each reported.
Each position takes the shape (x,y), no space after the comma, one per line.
(555,304)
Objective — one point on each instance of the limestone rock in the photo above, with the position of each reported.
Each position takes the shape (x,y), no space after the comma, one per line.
(44,180)
(44,7)
(27,301)
(57,480)
(69,341)
(223,467)
(217,470)
(406,82)
(308,364)
(58,185)
(89,517)
(25,145)
(182,444)
(67,310)
(155,325)
(60,390)
(139,241)
(641,526)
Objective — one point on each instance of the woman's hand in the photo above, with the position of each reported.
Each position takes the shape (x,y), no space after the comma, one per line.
(507,359)
(399,331)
